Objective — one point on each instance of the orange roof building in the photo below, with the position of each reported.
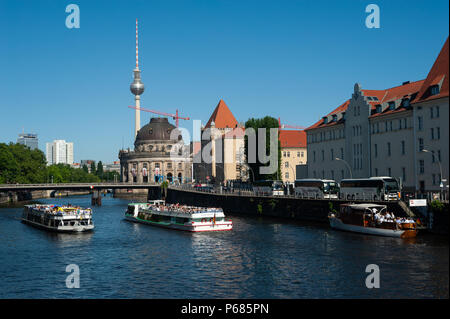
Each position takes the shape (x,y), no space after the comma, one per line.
(224,138)
(382,133)
(293,153)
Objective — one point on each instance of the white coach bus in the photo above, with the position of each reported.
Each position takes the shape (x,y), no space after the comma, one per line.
(316,188)
(373,188)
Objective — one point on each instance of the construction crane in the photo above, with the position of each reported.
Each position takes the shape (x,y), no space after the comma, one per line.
(282,126)
(175,116)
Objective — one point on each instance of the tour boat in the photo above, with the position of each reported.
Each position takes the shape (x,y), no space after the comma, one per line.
(372,219)
(180,217)
(58,218)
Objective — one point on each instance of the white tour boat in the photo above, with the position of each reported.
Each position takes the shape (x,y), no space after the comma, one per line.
(180,217)
(58,218)
(372,219)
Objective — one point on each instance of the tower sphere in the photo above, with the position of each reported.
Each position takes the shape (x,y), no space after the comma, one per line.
(137,87)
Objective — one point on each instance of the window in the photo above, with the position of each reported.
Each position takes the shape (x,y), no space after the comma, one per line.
(314,156)
(420,144)
(399,124)
(342,153)
(332,174)
(375,150)
(391,105)
(390,125)
(437,111)
(332,154)
(389,149)
(323,155)
(421,166)
(431,114)
(286,175)
(389,171)
(289,154)
(403,148)
(403,174)
(432,133)
(405,123)
(439,156)
(169,165)
(438,132)
(434,90)
(420,123)
(378,127)
(286,164)
(433,158)
(284,154)
(298,154)
(378,108)
(434,179)
(302,154)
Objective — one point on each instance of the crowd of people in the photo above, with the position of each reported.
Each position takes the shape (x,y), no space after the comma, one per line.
(185,209)
(386,217)
(68,209)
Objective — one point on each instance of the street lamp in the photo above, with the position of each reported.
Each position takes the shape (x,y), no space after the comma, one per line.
(441,184)
(349,168)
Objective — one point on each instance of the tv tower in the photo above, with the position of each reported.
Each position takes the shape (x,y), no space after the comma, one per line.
(137,88)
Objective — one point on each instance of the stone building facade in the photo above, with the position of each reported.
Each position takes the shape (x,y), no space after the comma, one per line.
(159,154)
(384,133)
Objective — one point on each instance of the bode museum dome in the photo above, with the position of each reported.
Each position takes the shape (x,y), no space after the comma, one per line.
(159,154)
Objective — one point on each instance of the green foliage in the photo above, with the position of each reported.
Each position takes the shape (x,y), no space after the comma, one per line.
(267,123)
(85,168)
(99,171)
(93,171)
(437,206)
(331,208)
(20,164)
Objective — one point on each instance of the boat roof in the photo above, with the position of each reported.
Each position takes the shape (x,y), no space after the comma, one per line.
(364,206)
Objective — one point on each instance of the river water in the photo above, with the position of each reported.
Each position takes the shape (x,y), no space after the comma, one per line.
(259,258)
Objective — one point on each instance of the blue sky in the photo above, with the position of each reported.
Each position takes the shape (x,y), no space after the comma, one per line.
(291,59)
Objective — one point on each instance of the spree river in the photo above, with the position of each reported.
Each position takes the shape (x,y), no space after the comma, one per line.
(259,258)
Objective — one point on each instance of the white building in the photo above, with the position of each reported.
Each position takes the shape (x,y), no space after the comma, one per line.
(384,133)
(59,152)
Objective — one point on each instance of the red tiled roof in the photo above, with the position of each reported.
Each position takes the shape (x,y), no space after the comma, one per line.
(339,109)
(438,73)
(222,117)
(292,138)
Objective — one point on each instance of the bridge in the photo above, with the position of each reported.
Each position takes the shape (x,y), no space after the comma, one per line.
(73,186)
(95,188)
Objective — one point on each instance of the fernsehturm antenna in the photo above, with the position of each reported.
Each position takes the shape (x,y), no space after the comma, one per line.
(137,87)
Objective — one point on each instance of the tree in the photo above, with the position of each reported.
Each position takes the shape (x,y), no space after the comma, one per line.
(267,123)
(99,171)
(93,168)
(85,168)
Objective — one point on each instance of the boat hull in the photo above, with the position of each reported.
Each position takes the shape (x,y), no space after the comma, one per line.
(60,229)
(336,223)
(196,227)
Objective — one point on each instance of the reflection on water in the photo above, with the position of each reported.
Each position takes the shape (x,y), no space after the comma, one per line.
(260,258)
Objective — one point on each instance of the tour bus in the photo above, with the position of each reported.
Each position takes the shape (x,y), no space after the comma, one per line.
(268,187)
(316,188)
(373,188)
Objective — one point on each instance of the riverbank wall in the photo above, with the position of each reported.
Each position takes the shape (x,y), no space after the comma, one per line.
(285,207)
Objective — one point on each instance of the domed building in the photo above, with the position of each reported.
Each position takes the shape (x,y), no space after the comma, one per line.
(159,154)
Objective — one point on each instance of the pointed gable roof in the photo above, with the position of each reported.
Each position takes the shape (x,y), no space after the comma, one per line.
(222,117)
(438,75)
